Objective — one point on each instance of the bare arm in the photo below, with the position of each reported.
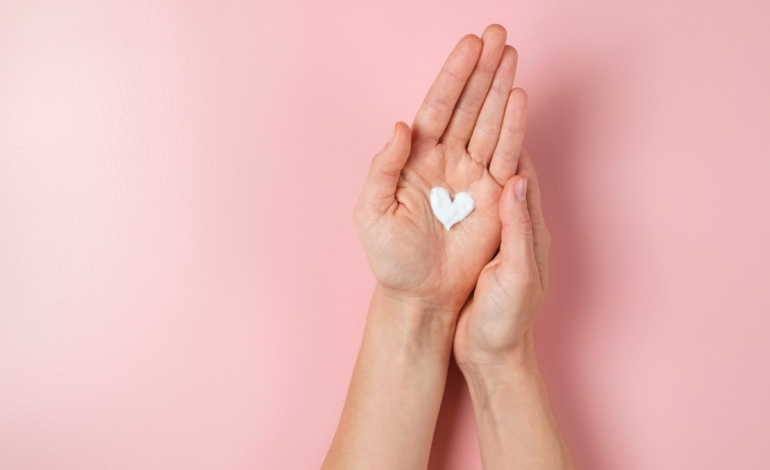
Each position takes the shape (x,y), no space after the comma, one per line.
(466,136)
(424,272)
(494,346)
(394,397)
(516,426)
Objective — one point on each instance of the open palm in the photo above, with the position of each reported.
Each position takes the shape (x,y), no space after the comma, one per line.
(467,136)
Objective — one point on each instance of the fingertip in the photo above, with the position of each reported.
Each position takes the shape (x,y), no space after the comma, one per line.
(495,32)
(511,51)
(514,193)
(402,137)
(396,134)
(470,42)
(509,59)
(525,164)
(520,189)
(392,158)
(402,127)
(385,169)
(520,96)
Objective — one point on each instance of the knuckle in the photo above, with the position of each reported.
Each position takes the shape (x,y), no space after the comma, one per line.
(486,68)
(437,104)
(388,172)
(453,74)
(382,166)
(468,107)
(513,128)
(525,279)
(487,126)
(524,225)
(505,155)
(500,87)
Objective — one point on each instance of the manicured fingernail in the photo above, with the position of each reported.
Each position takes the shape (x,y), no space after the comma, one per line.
(392,134)
(521,189)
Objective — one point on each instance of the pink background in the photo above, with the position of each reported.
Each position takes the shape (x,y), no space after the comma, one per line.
(181,285)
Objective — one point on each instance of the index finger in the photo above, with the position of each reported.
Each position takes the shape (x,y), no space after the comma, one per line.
(437,107)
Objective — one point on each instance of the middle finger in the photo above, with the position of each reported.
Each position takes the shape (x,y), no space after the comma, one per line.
(469,105)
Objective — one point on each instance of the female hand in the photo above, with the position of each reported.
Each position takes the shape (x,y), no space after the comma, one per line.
(466,137)
(496,323)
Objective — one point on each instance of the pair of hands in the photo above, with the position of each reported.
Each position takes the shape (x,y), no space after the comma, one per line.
(466,136)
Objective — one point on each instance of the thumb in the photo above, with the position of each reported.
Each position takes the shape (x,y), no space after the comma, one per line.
(517,253)
(380,187)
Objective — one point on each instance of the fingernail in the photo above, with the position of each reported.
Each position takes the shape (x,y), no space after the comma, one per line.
(521,189)
(392,134)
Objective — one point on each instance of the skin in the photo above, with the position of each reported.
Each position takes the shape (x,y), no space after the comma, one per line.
(439,291)
(493,342)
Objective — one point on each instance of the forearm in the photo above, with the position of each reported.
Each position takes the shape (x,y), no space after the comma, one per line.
(395,394)
(516,426)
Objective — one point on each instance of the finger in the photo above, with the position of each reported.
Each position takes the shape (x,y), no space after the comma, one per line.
(506,154)
(517,255)
(436,109)
(466,113)
(381,182)
(541,234)
(487,131)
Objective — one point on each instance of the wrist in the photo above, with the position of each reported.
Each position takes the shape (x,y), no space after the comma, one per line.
(514,368)
(513,413)
(414,321)
(414,310)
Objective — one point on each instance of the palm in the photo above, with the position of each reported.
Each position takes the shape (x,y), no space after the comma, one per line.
(493,318)
(448,262)
(465,138)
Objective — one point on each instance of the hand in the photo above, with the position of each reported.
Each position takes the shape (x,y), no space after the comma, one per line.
(495,324)
(467,136)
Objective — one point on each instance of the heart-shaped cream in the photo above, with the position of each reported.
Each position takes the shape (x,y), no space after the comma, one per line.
(450,212)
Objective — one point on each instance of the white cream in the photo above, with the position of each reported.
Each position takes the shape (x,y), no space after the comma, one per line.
(447,211)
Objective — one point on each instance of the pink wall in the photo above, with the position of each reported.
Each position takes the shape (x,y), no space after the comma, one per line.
(181,286)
